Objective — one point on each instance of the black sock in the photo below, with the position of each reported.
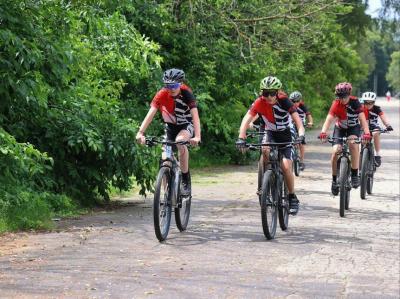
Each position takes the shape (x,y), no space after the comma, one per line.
(291,195)
(354,172)
(334,178)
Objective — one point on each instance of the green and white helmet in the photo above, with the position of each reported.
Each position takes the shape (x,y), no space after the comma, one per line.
(270,82)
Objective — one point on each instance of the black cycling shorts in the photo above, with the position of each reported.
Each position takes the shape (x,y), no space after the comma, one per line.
(281,136)
(350,131)
(171,130)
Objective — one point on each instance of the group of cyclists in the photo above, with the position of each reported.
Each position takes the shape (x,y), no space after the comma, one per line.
(282,116)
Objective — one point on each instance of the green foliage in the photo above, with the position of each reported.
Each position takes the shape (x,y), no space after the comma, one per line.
(393,75)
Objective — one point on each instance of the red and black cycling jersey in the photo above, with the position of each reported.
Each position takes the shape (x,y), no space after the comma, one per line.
(347,115)
(275,116)
(372,115)
(303,111)
(175,110)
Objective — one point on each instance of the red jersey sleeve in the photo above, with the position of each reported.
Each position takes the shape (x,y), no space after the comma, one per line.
(334,107)
(254,108)
(156,102)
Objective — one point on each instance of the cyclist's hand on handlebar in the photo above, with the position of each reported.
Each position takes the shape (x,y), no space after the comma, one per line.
(241,145)
(140,138)
(323,136)
(389,128)
(366,137)
(194,141)
(302,139)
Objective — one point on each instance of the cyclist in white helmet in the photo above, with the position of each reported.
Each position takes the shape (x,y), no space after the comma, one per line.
(372,113)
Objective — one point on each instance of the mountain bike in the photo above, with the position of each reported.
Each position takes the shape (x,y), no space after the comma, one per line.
(344,171)
(274,192)
(167,191)
(367,167)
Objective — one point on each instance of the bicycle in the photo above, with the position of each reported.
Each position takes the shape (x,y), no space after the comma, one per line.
(344,172)
(367,167)
(274,192)
(167,192)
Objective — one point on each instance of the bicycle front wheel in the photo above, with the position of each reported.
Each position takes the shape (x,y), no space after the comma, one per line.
(343,184)
(182,211)
(261,170)
(162,203)
(364,173)
(269,204)
(283,206)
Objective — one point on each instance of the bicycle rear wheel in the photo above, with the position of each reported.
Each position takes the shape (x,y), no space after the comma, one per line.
(182,211)
(343,181)
(269,204)
(283,206)
(364,173)
(162,204)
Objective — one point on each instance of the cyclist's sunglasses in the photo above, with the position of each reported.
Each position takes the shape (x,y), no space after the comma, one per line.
(368,102)
(267,93)
(172,86)
(342,95)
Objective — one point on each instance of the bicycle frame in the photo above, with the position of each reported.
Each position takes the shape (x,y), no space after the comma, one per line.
(172,163)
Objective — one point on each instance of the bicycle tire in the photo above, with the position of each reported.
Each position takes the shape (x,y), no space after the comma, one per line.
(343,179)
(182,211)
(283,206)
(261,169)
(296,166)
(162,203)
(268,204)
(364,173)
(370,181)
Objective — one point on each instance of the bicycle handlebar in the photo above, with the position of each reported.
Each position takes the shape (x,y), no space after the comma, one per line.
(151,141)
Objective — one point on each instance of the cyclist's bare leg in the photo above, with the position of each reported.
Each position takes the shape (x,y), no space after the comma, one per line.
(183,135)
(286,166)
(355,153)
(336,150)
(377,142)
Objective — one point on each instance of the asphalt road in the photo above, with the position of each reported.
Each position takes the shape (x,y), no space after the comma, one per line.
(223,254)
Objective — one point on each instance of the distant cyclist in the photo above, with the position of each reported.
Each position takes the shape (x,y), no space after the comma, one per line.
(372,114)
(274,107)
(306,117)
(178,108)
(348,113)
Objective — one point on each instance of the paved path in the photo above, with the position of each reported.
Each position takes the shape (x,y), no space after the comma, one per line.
(223,254)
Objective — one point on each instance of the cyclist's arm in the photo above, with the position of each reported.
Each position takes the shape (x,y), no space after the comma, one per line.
(384,120)
(328,121)
(364,123)
(310,120)
(247,119)
(299,124)
(147,120)
(196,122)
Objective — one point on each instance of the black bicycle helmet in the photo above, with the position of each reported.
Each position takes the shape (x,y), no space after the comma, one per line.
(173,76)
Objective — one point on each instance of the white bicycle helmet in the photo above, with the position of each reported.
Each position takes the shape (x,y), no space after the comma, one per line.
(368,96)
